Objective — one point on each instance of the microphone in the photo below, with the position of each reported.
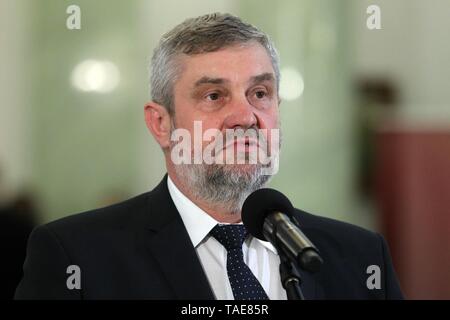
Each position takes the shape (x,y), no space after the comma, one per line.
(268,215)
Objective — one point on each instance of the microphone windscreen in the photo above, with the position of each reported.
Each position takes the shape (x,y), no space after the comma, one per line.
(261,203)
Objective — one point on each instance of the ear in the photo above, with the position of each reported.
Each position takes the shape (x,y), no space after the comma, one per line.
(157,119)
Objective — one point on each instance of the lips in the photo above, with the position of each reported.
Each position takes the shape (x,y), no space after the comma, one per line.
(243,143)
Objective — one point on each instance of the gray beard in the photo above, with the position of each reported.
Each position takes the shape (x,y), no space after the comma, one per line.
(223,186)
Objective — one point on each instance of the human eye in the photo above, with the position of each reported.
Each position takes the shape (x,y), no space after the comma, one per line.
(260,97)
(213,96)
(260,94)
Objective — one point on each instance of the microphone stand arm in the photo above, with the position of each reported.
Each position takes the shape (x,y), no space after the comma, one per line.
(290,279)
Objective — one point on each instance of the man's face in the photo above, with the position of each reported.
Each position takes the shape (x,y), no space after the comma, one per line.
(228,89)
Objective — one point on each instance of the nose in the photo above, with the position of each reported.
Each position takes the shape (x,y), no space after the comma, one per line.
(241,114)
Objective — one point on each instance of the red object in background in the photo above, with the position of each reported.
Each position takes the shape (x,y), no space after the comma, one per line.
(413,195)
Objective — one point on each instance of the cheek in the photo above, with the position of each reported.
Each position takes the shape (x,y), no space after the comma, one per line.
(211,123)
(197,126)
(270,120)
(270,124)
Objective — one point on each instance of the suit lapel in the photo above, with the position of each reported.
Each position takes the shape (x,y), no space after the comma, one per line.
(169,243)
(174,252)
(310,288)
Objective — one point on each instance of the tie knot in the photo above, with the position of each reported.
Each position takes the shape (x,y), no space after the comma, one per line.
(231,236)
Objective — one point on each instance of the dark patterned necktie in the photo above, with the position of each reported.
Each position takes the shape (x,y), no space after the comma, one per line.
(243,282)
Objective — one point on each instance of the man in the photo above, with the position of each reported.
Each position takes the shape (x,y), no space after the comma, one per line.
(184,239)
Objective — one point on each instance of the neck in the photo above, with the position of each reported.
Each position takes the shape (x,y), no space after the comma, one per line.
(216,211)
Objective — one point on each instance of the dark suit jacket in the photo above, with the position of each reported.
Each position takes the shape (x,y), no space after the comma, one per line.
(15,228)
(140,249)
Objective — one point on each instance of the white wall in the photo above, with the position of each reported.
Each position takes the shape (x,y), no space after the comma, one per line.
(13,98)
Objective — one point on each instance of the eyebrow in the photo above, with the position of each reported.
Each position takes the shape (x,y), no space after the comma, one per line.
(207,80)
(262,77)
(267,76)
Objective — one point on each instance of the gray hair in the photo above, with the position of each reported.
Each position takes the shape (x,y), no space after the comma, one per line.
(207,33)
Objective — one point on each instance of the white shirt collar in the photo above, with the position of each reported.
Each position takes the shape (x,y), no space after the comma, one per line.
(198,223)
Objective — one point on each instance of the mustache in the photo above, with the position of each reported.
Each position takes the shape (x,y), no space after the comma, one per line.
(252,135)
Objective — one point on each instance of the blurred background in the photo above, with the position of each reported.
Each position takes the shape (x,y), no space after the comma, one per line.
(365,117)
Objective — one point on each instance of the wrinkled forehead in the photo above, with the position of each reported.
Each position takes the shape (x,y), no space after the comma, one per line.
(239,63)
